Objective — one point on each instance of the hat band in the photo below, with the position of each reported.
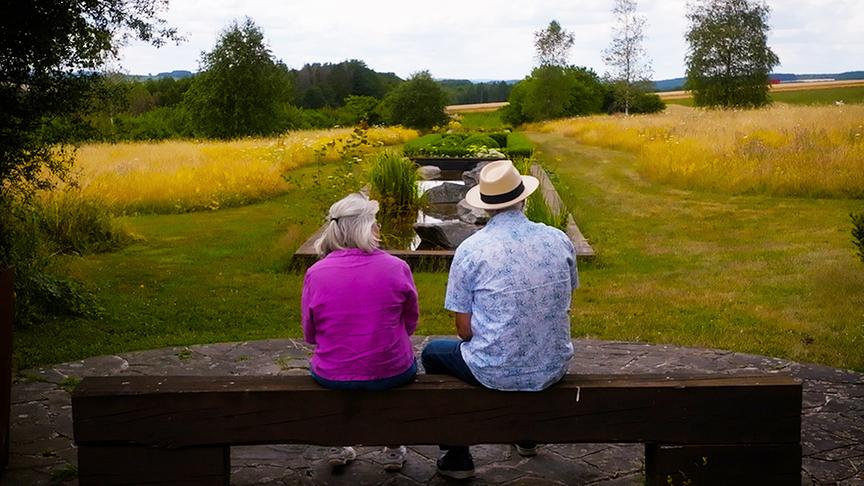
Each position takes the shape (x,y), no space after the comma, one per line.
(503,198)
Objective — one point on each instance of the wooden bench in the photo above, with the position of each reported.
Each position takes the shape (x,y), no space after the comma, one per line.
(715,429)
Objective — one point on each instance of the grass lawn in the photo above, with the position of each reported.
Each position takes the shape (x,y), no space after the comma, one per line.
(773,276)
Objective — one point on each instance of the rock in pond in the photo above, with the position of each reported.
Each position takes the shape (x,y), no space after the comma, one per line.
(472,177)
(447,235)
(470,214)
(429,172)
(447,192)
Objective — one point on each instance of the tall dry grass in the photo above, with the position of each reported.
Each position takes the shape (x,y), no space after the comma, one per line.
(180,176)
(783,150)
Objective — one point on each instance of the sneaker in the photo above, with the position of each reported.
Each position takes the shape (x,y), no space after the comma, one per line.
(526,449)
(456,465)
(394,458)
(340,456)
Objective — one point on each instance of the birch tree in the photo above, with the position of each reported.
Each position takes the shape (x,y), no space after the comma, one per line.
(629,66)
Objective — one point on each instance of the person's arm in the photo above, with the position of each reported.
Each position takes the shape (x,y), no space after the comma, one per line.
(410,308)
(463,326)
(574,271)
(307,320)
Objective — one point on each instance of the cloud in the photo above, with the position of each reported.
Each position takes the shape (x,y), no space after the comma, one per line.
(485,39)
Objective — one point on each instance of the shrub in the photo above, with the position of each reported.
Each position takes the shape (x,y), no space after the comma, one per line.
(518,145)
(858,233)
(500,138)
(461,144)
(480,140)
(394,185)
(647,103)
(39,293)
(79,225)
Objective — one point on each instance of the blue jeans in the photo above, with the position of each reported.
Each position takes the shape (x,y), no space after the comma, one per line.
(403,378)
(444,357)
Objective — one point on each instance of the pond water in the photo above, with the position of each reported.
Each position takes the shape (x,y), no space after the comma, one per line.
(435,225)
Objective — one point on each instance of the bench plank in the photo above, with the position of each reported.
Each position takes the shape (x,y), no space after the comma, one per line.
(120,464)
(175,411)
(762,464)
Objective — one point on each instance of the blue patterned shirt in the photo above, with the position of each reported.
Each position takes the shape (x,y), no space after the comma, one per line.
(515,278)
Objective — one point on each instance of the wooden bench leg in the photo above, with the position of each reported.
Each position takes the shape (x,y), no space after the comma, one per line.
(762,464)
(119,464)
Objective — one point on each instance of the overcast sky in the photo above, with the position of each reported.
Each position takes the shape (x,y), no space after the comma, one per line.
(486,39)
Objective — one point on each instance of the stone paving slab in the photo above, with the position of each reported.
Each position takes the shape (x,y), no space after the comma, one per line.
(42,451)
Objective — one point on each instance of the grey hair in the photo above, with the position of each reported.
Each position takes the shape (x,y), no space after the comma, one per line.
(349,225)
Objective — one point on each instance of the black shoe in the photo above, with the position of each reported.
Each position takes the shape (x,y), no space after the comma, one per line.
(526,449)
(456,464)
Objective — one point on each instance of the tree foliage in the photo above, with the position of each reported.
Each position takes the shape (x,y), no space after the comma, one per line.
(630,67)
(728,61)
(554,92)
(553,45)
(241,89)
(50,53)
(328,85)
(419,102)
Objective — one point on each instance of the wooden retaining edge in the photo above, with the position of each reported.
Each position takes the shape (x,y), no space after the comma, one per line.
(553,200)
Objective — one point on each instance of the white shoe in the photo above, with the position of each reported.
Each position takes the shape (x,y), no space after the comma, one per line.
(394,458)
(340,456)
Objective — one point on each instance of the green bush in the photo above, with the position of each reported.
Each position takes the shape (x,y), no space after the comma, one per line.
(40,293)
(500,138)
(458,144)
(858,233)
(480,140)
(518,145)
(77,225)
(647,103)
(394,185)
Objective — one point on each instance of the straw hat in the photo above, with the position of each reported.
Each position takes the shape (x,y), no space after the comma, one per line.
(500,186)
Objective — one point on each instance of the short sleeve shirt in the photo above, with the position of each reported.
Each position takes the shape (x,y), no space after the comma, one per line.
(515,277)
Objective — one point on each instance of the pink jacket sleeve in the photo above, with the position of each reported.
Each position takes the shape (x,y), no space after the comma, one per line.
(307,320)
(410,308)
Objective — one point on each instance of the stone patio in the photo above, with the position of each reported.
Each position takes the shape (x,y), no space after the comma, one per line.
(42,451)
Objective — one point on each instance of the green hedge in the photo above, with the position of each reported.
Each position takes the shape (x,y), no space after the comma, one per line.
(457,144)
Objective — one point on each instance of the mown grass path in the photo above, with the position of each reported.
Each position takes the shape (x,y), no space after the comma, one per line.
(773,276)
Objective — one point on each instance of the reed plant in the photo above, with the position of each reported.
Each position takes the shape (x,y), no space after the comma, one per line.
(393,178)
(537,210)
(182,176)
(783,150)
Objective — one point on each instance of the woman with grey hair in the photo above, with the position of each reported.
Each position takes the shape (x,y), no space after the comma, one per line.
(359,307)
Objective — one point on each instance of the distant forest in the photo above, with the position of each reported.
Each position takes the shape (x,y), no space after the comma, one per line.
(321,96)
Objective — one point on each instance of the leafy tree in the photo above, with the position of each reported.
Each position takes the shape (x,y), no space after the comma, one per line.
(555,92)
(728,61)
(241,90)
(50,53)
(419,102)
(553,45)
(629,64)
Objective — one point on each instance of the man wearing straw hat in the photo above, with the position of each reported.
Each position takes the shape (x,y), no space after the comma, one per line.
(510,286)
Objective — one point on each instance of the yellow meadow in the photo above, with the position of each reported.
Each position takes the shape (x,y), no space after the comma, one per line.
(783,150)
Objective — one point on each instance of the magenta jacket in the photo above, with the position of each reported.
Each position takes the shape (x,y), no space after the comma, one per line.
(359,309)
